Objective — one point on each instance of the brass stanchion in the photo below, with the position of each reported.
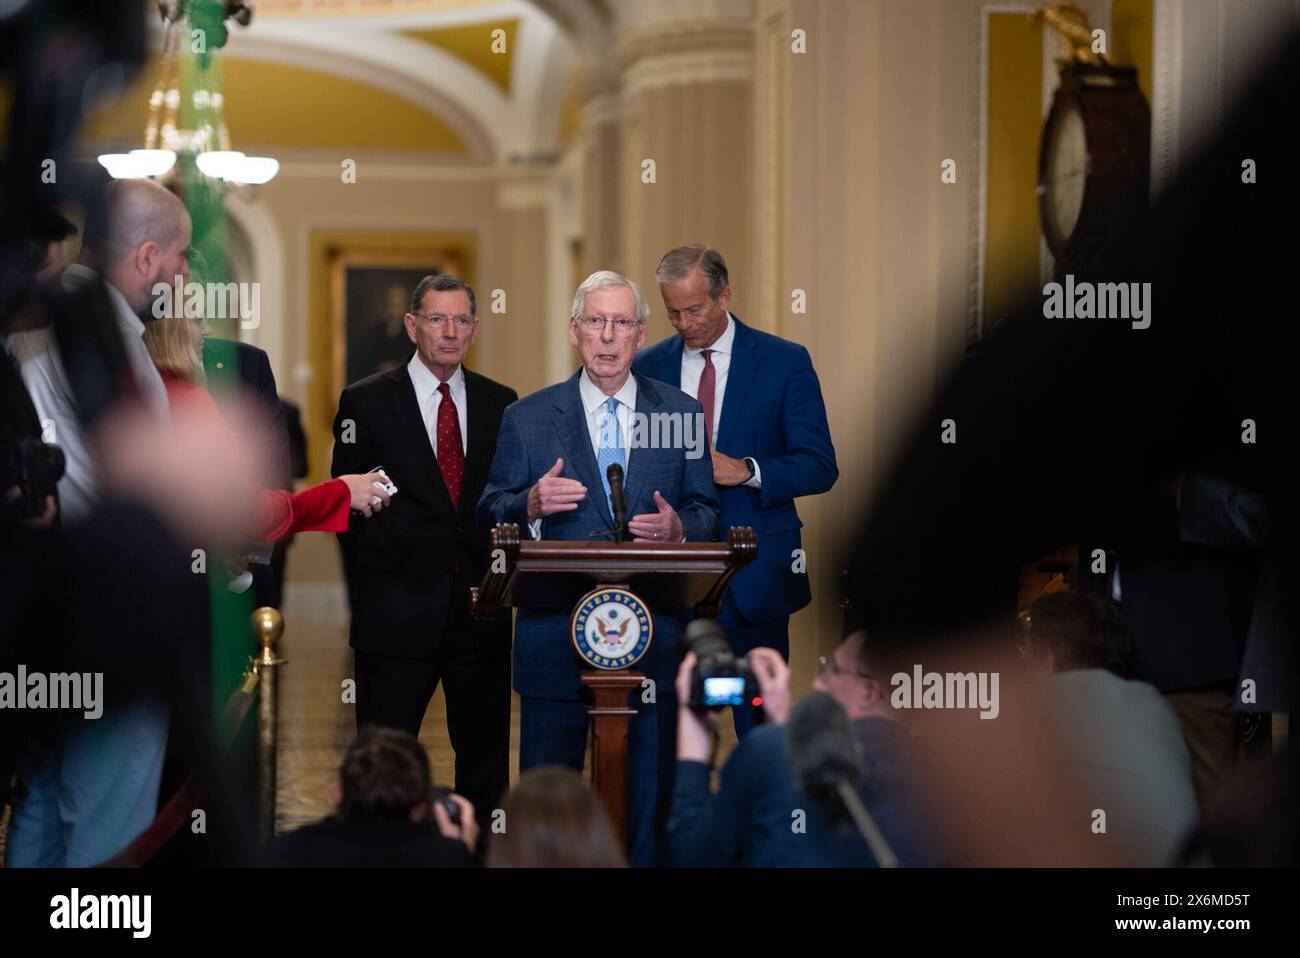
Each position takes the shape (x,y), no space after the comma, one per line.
(268,626)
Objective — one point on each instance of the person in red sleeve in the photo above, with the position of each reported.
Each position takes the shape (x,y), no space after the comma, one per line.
(175,346)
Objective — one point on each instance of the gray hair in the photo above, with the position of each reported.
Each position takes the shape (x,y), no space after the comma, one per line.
(606,279)
(678,263)
(441,283)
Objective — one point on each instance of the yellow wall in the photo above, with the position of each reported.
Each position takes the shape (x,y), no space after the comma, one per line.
(272,104)
(1132,30)
(473,44)
(1015,65)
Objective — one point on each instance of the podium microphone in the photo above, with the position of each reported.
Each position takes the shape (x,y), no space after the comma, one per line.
(617,499)
(826,766)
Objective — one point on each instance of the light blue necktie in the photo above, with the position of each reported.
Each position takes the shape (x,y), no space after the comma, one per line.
(611,447)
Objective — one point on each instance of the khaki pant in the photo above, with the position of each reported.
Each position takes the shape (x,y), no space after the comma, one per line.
(1212,731)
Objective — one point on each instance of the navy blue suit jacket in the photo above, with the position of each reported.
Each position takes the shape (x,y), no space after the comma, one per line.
(748,821)
(552,424)
(773,413)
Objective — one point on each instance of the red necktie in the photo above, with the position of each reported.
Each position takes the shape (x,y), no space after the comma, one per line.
(450,453)
(708,381)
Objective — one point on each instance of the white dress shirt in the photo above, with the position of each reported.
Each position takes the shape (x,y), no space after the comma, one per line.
(429,398)
(593,404)
(693,369)
(47,383)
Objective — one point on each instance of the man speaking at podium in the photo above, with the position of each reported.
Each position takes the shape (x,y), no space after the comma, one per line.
(550,475)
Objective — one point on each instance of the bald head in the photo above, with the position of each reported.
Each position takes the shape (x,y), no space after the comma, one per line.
(140,238)
(134,212)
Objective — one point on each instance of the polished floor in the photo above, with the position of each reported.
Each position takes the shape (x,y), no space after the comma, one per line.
(316,726)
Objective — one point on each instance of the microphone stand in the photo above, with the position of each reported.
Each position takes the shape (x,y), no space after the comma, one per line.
(885,856)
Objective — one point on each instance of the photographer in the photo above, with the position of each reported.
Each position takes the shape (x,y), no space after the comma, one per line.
(759,817)
(383,813)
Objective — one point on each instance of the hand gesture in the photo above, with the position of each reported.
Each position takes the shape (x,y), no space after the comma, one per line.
(553,494)
(661,526)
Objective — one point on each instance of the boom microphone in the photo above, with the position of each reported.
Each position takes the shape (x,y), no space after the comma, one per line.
(827,767)
(617,498)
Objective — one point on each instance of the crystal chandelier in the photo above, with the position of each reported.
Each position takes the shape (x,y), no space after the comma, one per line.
(208,140)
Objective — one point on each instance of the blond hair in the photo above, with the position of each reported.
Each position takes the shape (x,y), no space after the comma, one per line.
(176,348)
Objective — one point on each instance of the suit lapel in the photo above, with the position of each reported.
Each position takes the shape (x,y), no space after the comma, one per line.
(740,375)
(672,371)
(648,401)
(575,437)
(479,440)
(402,398)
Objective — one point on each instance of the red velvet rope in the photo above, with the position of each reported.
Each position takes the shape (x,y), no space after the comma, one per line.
(178,809)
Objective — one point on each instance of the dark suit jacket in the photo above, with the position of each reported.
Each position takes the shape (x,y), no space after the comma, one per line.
(773,413)
(747,822)
(1188,575)
(551,424)
(401,562)
(366,844)
(228,364)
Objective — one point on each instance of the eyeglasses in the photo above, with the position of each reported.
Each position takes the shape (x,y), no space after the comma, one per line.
(623,326)
(829,664)
(437,322)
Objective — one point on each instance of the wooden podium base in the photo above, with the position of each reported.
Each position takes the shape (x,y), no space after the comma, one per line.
(610,713)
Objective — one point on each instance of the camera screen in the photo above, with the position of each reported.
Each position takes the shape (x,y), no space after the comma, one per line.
(725,690)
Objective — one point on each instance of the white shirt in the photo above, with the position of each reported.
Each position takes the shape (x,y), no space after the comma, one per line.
(429,398)
(593,404)
(51,394)
(693,369)
(47,383)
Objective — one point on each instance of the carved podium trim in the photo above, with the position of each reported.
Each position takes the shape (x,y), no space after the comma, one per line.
(610,562)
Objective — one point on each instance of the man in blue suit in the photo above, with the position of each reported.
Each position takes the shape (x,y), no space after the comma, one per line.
(766,422)
(549,475)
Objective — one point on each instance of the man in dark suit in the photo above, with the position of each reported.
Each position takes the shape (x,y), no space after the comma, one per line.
(549,475)
(231,368)
(770,441)
(432,425)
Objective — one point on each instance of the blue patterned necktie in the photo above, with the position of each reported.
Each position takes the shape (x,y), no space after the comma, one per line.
(611,447)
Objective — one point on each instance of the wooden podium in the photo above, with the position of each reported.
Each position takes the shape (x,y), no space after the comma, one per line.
(666,576)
